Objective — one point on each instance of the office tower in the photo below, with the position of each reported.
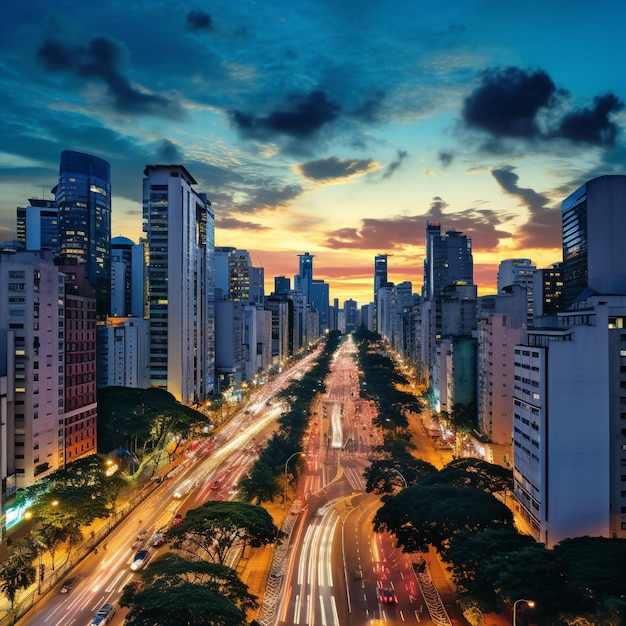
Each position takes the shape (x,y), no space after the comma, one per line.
(594,223)
(282,284)
(38,225)
(305,273)
(257,285)
(83,199)
(32,329)
(448,260)
(547,290)
(128,278)
(319,298)
(518,272)
(380,281)
(179,224)
(80,362)
(351,312)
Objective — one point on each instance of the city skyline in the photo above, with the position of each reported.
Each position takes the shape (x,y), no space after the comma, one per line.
(334,130)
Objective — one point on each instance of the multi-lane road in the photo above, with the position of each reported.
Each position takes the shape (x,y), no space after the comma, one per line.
(210,472)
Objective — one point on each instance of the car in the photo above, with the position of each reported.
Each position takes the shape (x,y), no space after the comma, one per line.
(103,615)
(68,585)
(140,560)
(158,539)
(178,518)
(388,596)
(183,489)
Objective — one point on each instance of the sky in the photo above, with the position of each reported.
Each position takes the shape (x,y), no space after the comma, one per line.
(338,128)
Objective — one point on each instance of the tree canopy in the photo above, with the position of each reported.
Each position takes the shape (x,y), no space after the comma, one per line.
(431,515)
(213,530)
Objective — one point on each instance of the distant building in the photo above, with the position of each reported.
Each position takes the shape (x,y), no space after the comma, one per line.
(548,290)
(518,272)
(38,225)
(128,278)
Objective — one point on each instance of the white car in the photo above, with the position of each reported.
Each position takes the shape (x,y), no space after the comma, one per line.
(104,615)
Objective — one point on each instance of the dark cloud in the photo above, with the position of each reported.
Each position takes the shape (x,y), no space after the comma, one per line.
(508,100)
(445,157)
(199,20)
(370,109)
(304,116)
(592,125)
(543,228)
(168,152)
(232,223)
(101,60)
(394,165)
(333,168)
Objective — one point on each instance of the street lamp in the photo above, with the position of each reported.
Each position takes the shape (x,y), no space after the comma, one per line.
(286,462)
(393,469)
(530,603)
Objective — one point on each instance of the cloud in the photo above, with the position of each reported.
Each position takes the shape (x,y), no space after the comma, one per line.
(445,157)
(303,117)
(333,168)
(507,102)
(100,60)
(592,125)
(232,223)
(394,165)
(168,152)
(379,234)
(199,20)
(543,228)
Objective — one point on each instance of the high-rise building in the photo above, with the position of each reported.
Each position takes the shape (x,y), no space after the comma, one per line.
(179,224)
(32,331)
(547,290)
(83,199)
(128,278)
(38,225)
(448,260)
(282,284)
(80,363)
(594,223)
(305,273)
(518,272)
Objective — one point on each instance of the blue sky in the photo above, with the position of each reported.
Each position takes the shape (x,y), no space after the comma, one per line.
(335,128)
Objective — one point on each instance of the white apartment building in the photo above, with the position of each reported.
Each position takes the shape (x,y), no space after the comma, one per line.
(569,427)
(123,350)
(32,319)
(179,224)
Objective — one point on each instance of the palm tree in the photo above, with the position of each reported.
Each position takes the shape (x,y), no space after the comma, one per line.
(17,572)
(73,538)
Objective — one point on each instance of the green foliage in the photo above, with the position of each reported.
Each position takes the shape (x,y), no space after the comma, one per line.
(431,515)
(141,419)
(381,477)
(261,485)
(213,530)
(179,604)
(466,472)
(17,571)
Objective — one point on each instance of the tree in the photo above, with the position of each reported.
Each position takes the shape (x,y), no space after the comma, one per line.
(171,569)
(260,485)
(432,514)
(17,571)
(180,605)
(214,529)
(470,553)
(477,473)
(382,476)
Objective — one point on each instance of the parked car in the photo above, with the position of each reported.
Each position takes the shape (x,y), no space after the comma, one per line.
(68,585)
(178,518)
(103,615)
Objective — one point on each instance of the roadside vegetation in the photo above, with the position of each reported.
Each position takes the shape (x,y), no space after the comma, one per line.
(460,511)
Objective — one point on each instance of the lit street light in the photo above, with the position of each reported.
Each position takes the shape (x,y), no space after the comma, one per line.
(393,469)
(530,603)
(286,462)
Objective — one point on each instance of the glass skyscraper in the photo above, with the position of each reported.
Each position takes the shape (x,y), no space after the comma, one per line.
(83,199)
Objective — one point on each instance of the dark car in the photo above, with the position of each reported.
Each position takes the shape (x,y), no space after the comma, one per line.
(388,596)
(68,585)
